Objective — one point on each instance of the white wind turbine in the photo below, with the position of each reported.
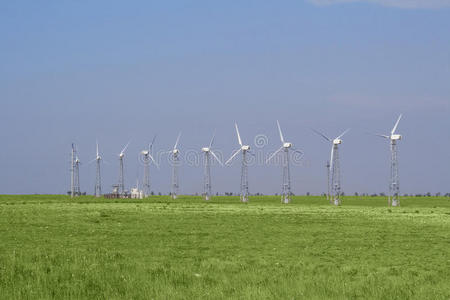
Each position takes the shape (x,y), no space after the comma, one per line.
(244,168)
(207,168)
(334,166)
(75,173)
(394,187)
(121,176)
(175,165)
(286,187)
(77,176)
(147,158)
(98,179)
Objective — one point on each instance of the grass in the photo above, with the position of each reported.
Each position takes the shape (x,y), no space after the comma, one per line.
(54,247)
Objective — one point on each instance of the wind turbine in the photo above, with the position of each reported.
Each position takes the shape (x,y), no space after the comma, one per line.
(147,157)
(244,168)
(286,187)
(207,168)
(98,179)
(121,177)
(394,188)
(72,171)
(334,166)
(77,176)
(75,173)
(175,161)
(328,180)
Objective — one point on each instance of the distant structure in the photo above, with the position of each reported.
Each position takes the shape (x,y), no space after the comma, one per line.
(394,186)
(174,187)
(286,187)
(207,168)
(328,180)
(334,166)
(136,193)
(77,177)
(98,178)
(121,176)
(147,158)
(74,173)
(244,168)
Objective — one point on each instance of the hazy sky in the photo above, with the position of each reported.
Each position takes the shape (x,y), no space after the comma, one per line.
(74,71)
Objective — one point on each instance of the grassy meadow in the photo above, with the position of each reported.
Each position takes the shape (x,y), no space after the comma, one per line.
(55,247)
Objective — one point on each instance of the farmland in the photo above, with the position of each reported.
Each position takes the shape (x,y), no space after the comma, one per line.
(55,247)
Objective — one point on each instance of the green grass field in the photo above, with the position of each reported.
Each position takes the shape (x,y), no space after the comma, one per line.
(55,247)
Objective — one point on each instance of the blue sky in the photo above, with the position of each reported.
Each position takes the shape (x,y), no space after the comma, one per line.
(75,71)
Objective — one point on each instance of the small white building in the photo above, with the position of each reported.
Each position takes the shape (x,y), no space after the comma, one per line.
(136,193)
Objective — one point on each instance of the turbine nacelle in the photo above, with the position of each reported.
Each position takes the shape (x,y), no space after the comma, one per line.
(98,157)
(245,148)
(175,151)
(337,141)
(287,145)
(121,155)
(396,137)
(145,152)
(206,149)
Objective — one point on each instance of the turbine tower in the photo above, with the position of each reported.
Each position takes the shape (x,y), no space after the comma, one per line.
(121,184)
(334,166)
(72,171)
(244,168)
(174,188)
(147,158)
(98,178)
(76,188)
(328,180)
(394,187)
(207,169)
(286,187)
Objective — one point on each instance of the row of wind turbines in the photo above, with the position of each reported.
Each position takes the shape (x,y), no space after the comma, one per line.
(333,166)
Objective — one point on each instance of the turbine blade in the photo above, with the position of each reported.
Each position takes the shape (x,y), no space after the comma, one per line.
(273,154)
(176,143)
(296,150)
(215,156)
(382,135)
(238,135)
(153,160)
(96,141)
(212,140)
(233,156)
(279,130)
(321,134)
(396,124)
(125,148)
(151,144)
(342,134)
